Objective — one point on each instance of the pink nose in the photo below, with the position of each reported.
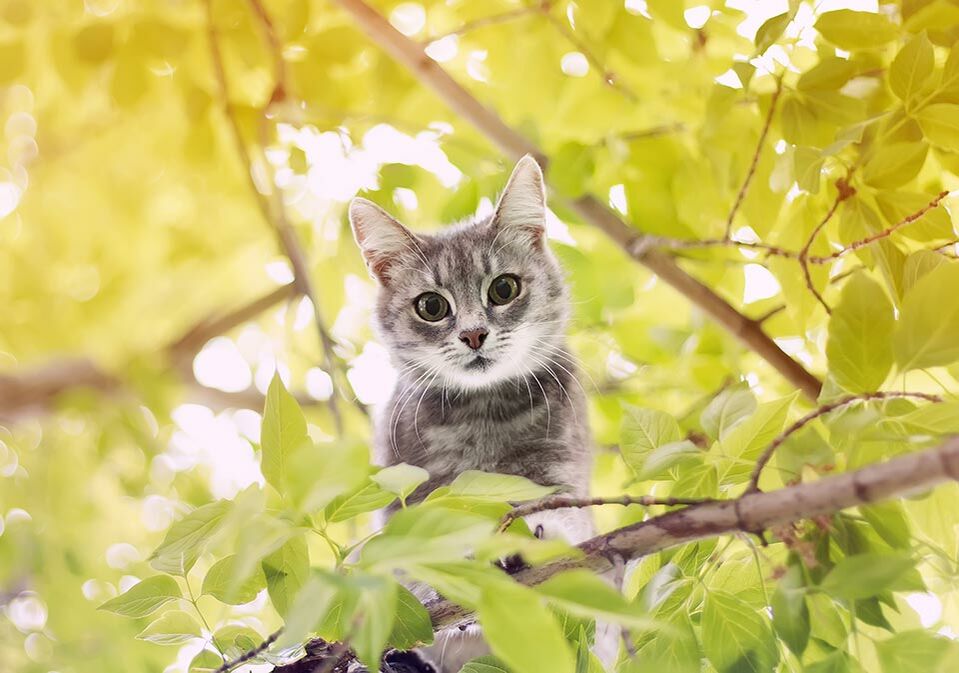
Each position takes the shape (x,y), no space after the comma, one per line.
(473,338)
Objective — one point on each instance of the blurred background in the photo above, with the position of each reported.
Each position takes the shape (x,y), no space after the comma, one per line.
(160,160)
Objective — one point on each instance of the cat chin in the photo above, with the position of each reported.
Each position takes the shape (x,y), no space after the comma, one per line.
(481,376)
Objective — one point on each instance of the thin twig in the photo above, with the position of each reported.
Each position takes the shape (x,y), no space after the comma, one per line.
(272,209)
(768,452)
(741,196)
(561,501)
(856,245)
(483,22)
(246,656)
(843,191)
(609,78)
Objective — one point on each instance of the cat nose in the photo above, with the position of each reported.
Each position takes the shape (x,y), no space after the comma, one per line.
(473,338)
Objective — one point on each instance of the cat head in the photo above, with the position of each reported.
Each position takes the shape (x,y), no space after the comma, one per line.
(474,305)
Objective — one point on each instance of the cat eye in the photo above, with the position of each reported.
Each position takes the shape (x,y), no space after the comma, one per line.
(431,306)
(504,289)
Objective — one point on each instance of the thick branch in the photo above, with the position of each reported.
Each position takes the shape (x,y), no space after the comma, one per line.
(40,387)
(752,513)
(590,209)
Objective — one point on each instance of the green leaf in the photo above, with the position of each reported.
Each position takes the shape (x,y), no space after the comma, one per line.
(235,640)
(364,499)
(925,334)
(144,597)
(205,661)
(727,409)
(283,432)
(736,637)
(172,628)
(895,164)
(771,30)
(790,612)
(316,474)
(860,336)
(223,582)
(912,67)
(188,537)
(376,611)
(485,664)
(940,125)
(583,593)
(497,487)
(865,575)
(286,570)
(643,431)
(426,535)
(848,29)
(401,479)
(934,419)
(412,627)
(523,632)
(889,520)
(571,169)
(917,652)
(310,607)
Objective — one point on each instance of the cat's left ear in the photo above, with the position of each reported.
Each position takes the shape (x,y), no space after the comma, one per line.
(522,206)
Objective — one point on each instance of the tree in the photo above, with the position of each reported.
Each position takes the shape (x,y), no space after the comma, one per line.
(754,213)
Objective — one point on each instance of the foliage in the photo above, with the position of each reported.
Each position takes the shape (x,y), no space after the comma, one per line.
(793,163)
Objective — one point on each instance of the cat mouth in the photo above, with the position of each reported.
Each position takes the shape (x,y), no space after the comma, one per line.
(479,362)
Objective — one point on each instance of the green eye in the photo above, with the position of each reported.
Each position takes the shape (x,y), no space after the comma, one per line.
(431,306)
(504,289)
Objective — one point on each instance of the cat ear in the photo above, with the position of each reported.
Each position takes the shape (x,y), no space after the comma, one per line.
(522,205)
(383,240)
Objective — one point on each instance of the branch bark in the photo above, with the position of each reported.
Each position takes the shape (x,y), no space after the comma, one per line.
(751,513)
(591,210)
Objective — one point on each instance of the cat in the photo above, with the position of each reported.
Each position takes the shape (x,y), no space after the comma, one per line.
(474,319)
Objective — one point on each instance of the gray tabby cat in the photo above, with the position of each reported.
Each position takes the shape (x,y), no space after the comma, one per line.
(474,318)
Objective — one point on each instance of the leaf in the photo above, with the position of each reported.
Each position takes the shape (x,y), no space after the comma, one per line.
(485,664)
(172,628)
(917,652)
(582,593)
(426,535)
(283,432)
(235,640)
(187,538)
(940,125)
(522,632)
(223,582)
(316,474)
(771,30)
(736,637)
(848,29)
(859,348)
(363,499)
(643,431)
(497,487)
(728,408)
(376,610)
(926,331)
(790,612)
(205,661)
(865,575)
(895,164)
(401,479)
(286,570)
(309,608)
(889,520)
(912,67)
(412,626)
(934,419)
(571,169)
(144,597)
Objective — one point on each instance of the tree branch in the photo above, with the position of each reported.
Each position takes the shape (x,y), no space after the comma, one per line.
(38,388)
(246,656)
(751,513)
(273,210)
(741,196)
(591,210)
(563,501)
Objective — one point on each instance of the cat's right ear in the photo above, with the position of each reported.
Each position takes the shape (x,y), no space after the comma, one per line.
(383,240)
